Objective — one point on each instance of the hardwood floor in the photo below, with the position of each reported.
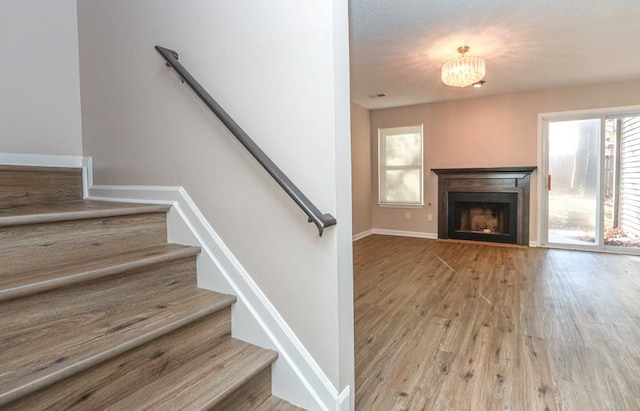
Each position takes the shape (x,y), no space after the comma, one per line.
(454,326)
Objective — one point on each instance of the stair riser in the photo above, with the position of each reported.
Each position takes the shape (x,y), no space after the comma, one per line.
(116,300)
(103,384)
(249,395)
(23,186)
(31,246)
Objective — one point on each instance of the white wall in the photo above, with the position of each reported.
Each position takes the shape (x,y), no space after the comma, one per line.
(39,80)
(281,70)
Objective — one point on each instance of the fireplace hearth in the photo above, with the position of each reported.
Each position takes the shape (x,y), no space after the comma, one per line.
(488,204)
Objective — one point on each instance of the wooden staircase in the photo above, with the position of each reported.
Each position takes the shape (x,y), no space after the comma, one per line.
(97,311)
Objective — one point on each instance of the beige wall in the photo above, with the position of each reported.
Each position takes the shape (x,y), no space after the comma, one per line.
(40,81)
(496,131)
(361,168)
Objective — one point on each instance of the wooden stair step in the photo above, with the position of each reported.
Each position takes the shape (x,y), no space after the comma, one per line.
(40,356)
(206,381)
(23,186)
(37,281)
(37,236)
(73,210)
(113,307)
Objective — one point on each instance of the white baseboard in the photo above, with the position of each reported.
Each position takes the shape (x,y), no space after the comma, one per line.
(433,236)
(418,234)
(296,378)
(344,400)
(40,160)
(363,234)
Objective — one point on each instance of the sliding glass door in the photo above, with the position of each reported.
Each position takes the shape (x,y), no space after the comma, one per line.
(592,194)
(572,181)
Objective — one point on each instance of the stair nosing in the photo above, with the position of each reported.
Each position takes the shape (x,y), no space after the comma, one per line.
(81,275)
(39,169)
(117,349)
(58,216)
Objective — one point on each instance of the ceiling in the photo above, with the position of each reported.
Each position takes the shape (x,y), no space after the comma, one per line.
(398,46)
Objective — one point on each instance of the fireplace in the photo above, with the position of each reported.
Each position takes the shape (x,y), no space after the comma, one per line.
(484,204)
(483,216)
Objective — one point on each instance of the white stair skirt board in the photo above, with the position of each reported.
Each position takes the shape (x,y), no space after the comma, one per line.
(296,377)
(418,234)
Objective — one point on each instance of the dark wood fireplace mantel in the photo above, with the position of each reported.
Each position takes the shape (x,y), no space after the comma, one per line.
(485,180)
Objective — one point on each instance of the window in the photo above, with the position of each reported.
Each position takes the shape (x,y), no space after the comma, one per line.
(400,166)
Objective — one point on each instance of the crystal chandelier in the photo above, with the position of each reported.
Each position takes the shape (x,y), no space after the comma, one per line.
(464,70)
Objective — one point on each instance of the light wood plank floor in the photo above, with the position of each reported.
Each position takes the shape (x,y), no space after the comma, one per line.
(452,326)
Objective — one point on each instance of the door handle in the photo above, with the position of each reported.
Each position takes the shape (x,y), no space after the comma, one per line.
(549,182)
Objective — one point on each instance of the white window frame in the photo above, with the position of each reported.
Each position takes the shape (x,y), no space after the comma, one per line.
(382,167)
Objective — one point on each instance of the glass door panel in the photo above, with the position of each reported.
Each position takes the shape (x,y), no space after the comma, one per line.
(574,169)
(622,182)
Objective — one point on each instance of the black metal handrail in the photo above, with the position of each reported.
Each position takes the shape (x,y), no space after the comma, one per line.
(316,216)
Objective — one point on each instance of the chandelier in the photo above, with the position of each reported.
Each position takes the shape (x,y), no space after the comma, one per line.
(463,71)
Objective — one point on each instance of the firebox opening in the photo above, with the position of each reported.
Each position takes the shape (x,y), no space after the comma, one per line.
(486,218)
(483,216)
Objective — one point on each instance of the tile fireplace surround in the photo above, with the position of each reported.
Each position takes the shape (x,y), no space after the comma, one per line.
(472,181)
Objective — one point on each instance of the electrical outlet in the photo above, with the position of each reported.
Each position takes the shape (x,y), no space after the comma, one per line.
(429,217)
(407,215)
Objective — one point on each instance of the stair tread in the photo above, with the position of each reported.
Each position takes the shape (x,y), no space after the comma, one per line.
(48,278)
(203,382)
(36,356)
(73,210)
